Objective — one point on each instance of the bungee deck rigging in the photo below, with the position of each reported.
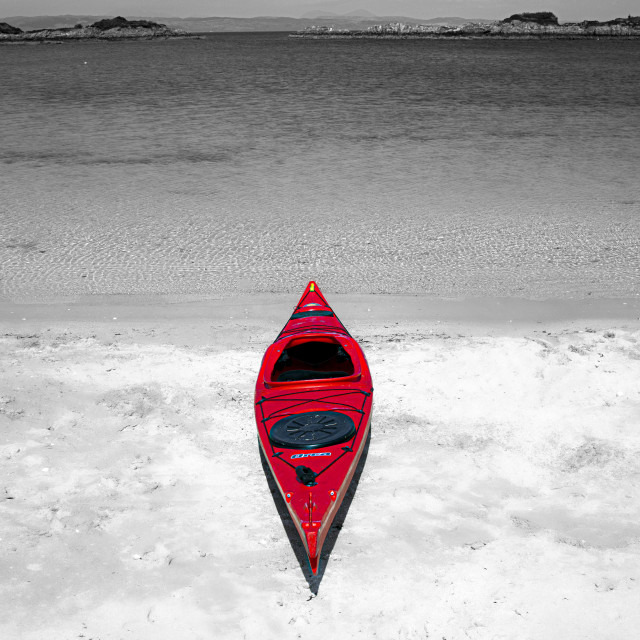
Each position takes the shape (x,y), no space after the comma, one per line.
(292,411)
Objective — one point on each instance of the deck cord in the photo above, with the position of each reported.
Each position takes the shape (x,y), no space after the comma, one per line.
(328,399)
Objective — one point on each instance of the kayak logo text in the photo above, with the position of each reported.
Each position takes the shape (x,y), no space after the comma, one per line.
(310,455)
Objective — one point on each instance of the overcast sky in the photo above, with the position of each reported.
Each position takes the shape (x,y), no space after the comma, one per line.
(564,9)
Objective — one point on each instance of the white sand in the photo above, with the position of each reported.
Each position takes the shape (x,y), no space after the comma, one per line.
(500,497)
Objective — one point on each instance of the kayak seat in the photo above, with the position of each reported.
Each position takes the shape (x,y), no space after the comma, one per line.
(307,374)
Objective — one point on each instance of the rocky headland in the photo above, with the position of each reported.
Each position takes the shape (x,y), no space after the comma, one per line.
(520,25)
(118,28)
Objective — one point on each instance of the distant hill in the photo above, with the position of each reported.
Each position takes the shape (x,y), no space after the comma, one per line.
(318,15)
(455,21)
(362,13)
(31,23)
(226,24)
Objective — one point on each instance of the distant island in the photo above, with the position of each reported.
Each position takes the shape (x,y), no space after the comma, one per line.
(118,28)
(543,24)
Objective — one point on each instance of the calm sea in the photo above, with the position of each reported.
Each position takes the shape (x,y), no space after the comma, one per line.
(254,162)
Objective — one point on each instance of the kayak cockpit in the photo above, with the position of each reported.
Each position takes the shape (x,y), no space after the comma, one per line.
(318,357)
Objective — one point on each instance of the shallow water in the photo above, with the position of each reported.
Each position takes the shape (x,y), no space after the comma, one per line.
(254,162)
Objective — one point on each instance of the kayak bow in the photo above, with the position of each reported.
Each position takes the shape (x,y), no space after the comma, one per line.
(313,405)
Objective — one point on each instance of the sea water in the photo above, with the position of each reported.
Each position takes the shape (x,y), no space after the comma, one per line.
(255,162)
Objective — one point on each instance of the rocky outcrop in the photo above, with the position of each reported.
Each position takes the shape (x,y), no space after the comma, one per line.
(522,25)
(546,23)
(110,29)
(7,29)
(541,17)
(122,23)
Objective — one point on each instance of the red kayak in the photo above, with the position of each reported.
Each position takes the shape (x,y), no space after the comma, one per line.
(313,412)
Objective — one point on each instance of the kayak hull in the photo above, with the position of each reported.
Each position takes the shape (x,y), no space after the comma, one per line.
(313,404)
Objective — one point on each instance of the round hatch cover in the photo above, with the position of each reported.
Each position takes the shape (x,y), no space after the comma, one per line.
(312,430)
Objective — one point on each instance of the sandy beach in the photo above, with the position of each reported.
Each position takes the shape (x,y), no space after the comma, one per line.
(499,497)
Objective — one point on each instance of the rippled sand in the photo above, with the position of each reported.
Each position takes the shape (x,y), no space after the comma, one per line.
(537,261)
(194,244)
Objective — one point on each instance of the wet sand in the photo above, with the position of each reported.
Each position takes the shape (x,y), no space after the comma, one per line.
(158,243)
(499,496)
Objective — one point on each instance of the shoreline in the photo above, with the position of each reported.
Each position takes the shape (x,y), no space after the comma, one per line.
(464,36)
(264,313)
(61,37)
(54,41)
